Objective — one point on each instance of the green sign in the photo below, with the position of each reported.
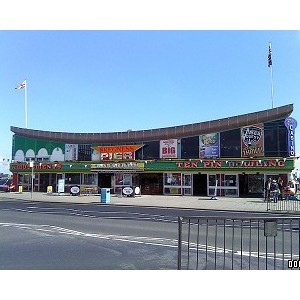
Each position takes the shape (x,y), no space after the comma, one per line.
(197,165)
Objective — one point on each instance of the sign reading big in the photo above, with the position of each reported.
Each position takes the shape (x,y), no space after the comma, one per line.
(168,148)
(117,152)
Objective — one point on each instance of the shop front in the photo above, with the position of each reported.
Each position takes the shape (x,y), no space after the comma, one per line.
(220,177)
(231,178)
(89,177)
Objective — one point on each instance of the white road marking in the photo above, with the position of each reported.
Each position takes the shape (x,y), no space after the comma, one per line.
(153,241)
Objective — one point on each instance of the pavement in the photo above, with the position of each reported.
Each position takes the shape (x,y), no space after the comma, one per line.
(186,202)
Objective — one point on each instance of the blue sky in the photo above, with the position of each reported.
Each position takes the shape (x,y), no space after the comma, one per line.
(115,80)
(102,81)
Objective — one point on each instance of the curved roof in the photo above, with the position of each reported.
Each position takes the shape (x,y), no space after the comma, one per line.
(160,133)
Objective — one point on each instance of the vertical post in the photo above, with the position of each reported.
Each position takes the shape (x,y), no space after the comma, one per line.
(26,111)
(179,243)
(214,197)
(272,87)
(270,64)
(31,164)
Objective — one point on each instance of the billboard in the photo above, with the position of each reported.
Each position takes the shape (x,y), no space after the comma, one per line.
(252,140)
(168,148)
(71,152)
(209,145)
(122,152)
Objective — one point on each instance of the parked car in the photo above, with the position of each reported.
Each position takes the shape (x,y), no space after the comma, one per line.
(6,185)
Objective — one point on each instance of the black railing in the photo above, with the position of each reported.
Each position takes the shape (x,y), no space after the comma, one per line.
(220,243)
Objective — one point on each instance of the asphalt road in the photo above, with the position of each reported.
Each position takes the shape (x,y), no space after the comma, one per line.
(56,236)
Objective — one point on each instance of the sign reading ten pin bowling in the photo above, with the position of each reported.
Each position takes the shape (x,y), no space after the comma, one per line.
(291,124)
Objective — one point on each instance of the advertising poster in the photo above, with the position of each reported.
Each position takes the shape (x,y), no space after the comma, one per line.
(209,145)
(252,144)
(71,152)
(168,148)
(61,186)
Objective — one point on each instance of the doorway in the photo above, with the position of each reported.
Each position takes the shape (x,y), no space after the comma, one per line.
(104,180)
(200,185)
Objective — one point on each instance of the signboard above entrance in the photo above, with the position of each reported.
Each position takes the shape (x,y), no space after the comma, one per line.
(126,152)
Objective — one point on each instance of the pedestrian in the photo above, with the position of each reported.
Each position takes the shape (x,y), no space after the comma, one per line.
(280,187)
(268,189)
(275,190)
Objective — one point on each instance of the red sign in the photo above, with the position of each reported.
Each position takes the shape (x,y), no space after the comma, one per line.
(117,152)
(36,166)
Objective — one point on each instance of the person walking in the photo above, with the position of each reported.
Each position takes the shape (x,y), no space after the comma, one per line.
(268,189)
(275,190)
(280,187)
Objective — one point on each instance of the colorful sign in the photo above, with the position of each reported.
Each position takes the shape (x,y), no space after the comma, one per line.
(252,139)
(36,166)
(213,165)
(209,145)
(291,124)
(117,152)
(168,148)
(119,165)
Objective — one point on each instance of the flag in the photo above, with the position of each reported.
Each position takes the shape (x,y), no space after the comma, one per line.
(21,86)
(270,56)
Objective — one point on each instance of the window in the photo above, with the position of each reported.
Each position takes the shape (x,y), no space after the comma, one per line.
(275,139)
(172,184)
(84,152)
(190,147)
(72,178)
(230,143)
(149,151)
(89,179)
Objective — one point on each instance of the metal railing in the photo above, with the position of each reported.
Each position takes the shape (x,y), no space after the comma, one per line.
(220,243)
(290,204)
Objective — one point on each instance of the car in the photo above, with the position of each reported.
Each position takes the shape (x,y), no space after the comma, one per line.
(6,185)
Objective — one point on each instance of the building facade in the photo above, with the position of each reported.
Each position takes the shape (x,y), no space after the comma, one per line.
(230,157)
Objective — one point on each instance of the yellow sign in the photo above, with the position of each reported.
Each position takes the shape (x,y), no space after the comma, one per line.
(49,189)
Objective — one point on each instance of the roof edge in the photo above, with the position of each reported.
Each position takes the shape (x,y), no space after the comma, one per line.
(160,133)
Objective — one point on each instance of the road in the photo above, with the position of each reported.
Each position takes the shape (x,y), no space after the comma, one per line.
(56,236)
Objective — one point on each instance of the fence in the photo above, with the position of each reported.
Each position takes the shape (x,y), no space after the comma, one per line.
(291,204)
(220,243)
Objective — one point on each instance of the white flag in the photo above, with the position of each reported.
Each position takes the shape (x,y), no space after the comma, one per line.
(21,86)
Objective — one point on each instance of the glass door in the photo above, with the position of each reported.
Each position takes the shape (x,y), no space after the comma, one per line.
(187,184)
(231,185)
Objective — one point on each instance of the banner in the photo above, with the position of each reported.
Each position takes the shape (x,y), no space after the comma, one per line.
(168,148)
(71,152)
(209,145)
(291,124)
(126,152)
(252,140)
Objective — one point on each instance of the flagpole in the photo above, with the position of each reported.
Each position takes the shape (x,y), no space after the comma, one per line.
(271,73)
(26,111)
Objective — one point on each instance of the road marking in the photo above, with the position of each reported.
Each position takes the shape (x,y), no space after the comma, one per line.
(153,241)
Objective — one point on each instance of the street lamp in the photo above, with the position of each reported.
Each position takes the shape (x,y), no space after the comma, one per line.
(31,164)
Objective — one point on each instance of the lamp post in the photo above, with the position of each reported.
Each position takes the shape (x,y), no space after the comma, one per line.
(31,164)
